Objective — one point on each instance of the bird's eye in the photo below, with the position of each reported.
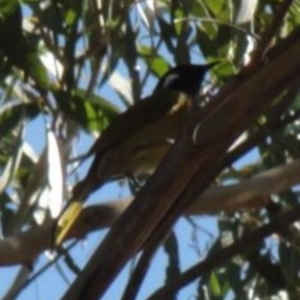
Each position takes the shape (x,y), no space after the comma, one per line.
(169,80)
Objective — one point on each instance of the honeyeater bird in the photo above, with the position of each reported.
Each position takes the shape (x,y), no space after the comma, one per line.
(136,141)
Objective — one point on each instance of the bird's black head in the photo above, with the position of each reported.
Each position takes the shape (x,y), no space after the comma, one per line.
(186,78)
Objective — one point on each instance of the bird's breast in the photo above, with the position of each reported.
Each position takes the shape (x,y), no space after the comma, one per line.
(142,152)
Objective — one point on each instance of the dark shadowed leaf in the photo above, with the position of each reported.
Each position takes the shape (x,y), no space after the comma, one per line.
(12,114)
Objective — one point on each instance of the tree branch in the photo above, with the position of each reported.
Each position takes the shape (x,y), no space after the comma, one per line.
(249,194)
(243,245)
(270,32)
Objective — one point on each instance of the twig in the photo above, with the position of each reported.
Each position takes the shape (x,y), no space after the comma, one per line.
(139,273)
(243,245)
(269,33)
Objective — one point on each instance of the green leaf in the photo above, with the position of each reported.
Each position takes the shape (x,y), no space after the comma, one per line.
(70,17)
(216,6)
(110,110)
(144,50)
(37,70)
(215,285)
(178,26)
(159,66)
(93,113)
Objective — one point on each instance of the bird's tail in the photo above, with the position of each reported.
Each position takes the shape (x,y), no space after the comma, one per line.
(66,221)
(72,211)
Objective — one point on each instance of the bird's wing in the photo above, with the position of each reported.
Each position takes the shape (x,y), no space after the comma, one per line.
(137,117)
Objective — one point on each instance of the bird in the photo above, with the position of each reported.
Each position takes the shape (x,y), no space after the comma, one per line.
(137,140)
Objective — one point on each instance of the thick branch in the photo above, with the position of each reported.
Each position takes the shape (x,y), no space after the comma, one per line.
(252,193)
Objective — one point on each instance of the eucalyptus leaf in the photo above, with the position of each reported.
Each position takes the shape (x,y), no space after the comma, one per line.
(94,113)
(13,113)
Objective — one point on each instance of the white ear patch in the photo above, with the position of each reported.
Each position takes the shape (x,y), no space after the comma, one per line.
(168,80)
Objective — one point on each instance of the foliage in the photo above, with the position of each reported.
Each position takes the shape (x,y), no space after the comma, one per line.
(72,66)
